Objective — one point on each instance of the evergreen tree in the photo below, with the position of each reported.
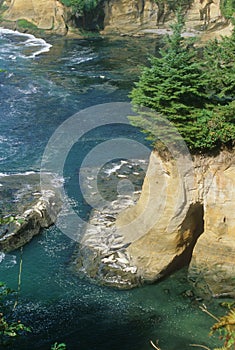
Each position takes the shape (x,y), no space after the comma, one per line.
(197,97)
(219,58)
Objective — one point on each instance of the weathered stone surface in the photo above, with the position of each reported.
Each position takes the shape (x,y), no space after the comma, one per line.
(45,14)
(186,210)
(32,208)
(212,268)
(140,17)
(207,212)
(102,254)
(167,220)
(127,17)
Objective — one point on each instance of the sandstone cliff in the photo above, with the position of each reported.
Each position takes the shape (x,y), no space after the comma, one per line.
(185,216)
(199,205)
(127,17)
(140,17)
(49,15)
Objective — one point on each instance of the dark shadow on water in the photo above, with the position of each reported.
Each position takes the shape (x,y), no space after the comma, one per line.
(89,326)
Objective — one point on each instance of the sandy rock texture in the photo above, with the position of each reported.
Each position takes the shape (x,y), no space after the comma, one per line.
(184,217)
(45,14)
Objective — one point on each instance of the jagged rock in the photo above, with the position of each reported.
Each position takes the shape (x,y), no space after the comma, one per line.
(31,208)
(101,254)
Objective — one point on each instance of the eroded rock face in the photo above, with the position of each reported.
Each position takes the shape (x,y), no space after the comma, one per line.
(140,17)
(212,268)
(45,14)
(126,17)
(186,210)
(162,226)
(205,218)
(31,208)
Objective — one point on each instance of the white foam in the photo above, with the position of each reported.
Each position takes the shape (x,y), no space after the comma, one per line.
(25,173)
(113,169)
(2,256)
(31,41)
(8,260)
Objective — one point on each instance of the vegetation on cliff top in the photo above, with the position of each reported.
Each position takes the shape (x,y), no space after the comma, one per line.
(194,89)
(80,7)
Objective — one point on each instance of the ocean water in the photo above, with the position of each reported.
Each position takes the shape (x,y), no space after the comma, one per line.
(41,86)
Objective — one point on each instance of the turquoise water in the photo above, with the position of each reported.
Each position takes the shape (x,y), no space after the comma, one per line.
(38,92)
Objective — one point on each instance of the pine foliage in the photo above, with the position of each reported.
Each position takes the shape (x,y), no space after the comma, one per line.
(196,94)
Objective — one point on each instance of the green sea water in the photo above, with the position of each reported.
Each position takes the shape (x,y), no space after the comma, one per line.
(38,92)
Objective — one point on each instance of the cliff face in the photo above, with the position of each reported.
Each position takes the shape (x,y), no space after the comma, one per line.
(201,208)
(184,216)
(45,14)
(212,266)
(139,17)
(127,15)
(132,17)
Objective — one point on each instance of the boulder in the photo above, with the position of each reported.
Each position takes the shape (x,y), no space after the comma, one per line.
(25,209)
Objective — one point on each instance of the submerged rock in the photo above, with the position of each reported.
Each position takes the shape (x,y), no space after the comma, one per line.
(25,208)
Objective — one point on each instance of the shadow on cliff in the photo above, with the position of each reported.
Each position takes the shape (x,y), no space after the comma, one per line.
(193,227)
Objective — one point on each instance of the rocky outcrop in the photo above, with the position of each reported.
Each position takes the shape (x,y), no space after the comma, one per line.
(141,17)
(185,216)
(126,17)
(101,254)
(49,15)
(25,209)
(212,267)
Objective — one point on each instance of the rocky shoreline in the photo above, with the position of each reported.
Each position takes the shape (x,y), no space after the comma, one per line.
(101,255)
(25,209)
(45,18)
(121,250)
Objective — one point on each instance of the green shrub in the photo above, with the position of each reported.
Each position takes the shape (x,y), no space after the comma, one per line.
(23,23)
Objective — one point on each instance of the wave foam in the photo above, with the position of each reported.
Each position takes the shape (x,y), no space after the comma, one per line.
(2,256)
(31,41)
(21,174)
